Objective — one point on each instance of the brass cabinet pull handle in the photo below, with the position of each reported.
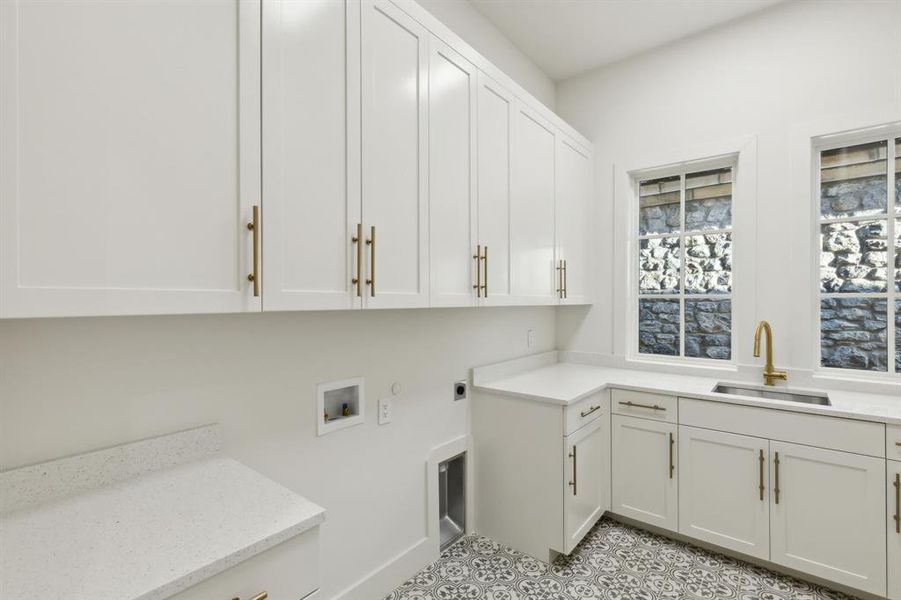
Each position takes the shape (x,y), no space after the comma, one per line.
(371,243)
(485,272)
(559,278)
(672,465)
(565,293)
(897,485)
(261,596)
(254,226)
(585,413)
(898,444)
(573,483)
(776,485)
(637,405)
(760,486)
(478,258)
(358,280)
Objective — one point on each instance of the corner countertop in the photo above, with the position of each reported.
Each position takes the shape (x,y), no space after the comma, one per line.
(565,383)
(143,536)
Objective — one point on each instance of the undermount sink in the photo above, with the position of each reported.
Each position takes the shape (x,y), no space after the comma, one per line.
(771,394)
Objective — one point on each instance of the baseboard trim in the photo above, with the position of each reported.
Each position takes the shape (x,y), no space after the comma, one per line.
(384,579)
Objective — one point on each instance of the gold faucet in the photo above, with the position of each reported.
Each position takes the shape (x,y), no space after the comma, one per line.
(770,374)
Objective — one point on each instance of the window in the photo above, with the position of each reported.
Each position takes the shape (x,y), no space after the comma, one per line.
(685,265)
(859,212)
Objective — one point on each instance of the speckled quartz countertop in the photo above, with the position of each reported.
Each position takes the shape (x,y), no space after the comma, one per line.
(141,521)
(542,379)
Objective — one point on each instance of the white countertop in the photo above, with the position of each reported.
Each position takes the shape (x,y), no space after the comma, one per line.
(565,383)
(146,537)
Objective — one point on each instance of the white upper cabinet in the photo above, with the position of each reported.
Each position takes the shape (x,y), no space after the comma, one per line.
(456,265)
(395,62)
(573,200)
(724,490)
(827,515)
(311,168)
(130,139)
(532,209)
(495,114)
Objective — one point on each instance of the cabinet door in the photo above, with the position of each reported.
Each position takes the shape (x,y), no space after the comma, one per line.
(495,109)
(583,481)
(573,205)
(723,487)
(395,162)
(894,529)
(452,182)
(644,482)
(128,175)
(532,210)
(311,121)
(827,514)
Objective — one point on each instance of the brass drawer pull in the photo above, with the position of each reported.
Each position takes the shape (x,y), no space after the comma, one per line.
(760,486)
(898,444)
(585,413)
(637,405)
(358,280)
(260,596)
(776,486)
(371,243)
(254,276)
(672,465)
(478,258)
(573,483)
(897,485)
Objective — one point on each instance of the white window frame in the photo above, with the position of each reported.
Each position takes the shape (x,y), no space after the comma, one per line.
(819,144)
(633,296)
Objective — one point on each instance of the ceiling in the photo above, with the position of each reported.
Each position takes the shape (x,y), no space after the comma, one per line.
(569,37)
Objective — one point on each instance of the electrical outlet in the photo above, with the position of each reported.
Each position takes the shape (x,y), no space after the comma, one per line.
(460,390)
(530,338)
(384,411)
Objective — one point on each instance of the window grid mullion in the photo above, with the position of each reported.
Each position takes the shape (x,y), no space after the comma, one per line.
(890,256)
(682,260)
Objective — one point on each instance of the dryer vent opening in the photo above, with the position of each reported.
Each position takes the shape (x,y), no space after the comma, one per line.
(452,499)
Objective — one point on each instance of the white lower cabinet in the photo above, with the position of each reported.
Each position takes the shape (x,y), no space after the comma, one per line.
(827,515)
(893,495)
(724,490)
(288,571)
(541,490)
(644,479)
(586,450)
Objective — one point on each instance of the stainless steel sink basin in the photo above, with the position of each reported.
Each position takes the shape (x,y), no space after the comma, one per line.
(771,394)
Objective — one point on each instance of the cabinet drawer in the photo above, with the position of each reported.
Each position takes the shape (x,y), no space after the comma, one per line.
(835,433)
(289,571)
(893,442)
(645,405)
(584,411)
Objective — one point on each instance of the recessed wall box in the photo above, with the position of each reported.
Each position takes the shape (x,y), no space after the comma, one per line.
(340,404)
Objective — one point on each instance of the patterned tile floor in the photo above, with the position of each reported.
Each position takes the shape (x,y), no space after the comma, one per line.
(613,562)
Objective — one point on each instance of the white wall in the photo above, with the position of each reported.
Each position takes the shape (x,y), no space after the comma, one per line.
(70,385)
(481,34)
(778,77)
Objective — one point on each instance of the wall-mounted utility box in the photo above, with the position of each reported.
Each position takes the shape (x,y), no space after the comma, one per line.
(340,404)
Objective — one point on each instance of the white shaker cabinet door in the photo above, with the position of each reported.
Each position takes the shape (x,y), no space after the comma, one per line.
(532,210)
(311,133)
(496,107)
(583,485)
(456,263)
(573,201)
(130,156)
(894,529)
(644,480)
(395,63)
(723,490)
(827,515)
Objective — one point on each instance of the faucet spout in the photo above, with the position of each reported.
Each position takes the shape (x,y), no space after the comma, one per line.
(770,373)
